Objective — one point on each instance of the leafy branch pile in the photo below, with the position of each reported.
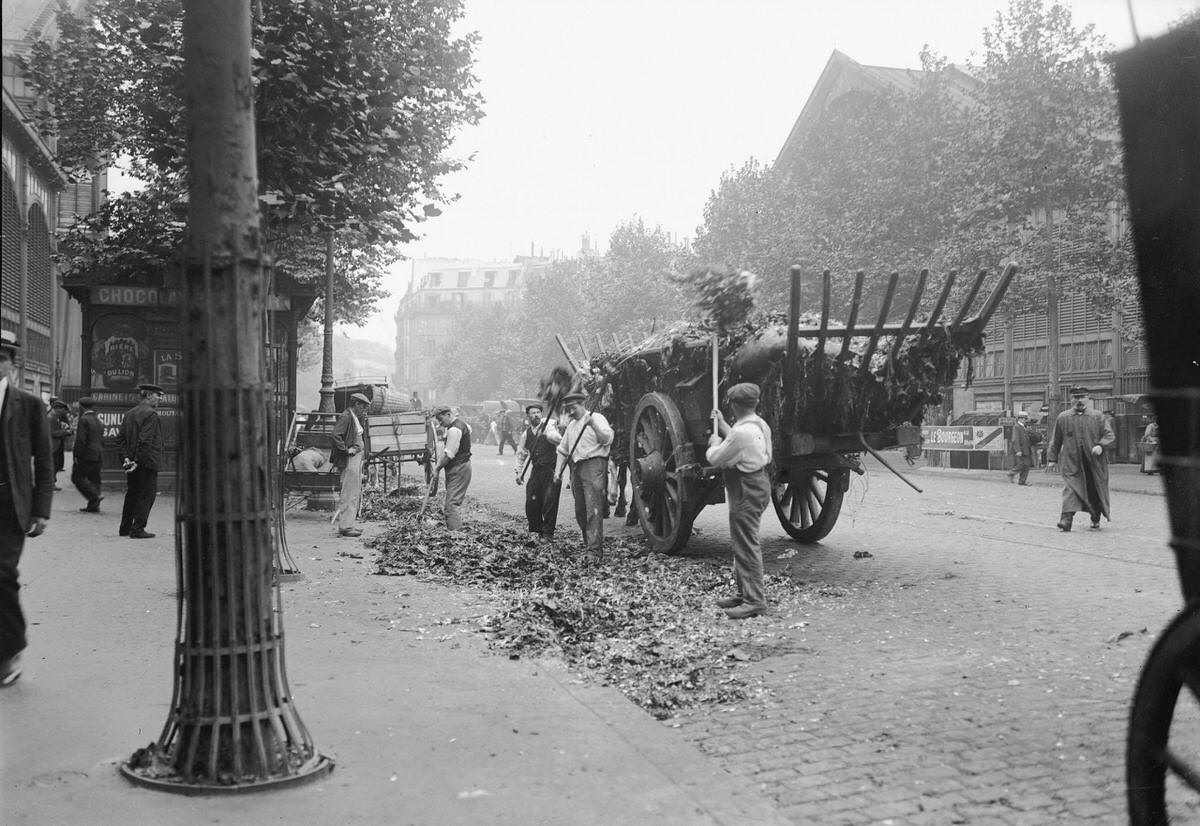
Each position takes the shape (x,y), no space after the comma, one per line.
(645,622)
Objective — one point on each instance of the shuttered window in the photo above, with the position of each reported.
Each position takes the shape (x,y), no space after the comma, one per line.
(40,269)
(10,287)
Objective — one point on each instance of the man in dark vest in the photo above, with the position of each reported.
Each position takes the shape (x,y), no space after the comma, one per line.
(88,455)
(26,488)
(456,459)
(538,448)
(142,442)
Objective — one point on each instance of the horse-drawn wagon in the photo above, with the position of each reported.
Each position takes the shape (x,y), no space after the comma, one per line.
(830,392)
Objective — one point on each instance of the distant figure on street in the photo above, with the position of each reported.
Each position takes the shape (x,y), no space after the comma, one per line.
(1079,438)
(539,447)
(59,417)
(509,426)
(585,446)
(1021,446)
(350,443)
(416,401)
(1150,446)
(456,460)
(88,455)
(26,488)
(743,453)
(142,443)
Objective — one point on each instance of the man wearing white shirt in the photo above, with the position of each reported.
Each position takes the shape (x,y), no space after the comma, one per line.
(349,447)
(585,446)
(456,459)
(743,453)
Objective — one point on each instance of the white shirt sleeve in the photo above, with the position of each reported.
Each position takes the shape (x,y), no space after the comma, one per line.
(453,439)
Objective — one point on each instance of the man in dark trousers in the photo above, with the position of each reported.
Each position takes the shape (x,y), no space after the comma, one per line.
(141,444)
(60,428)
(538,447)
(743,452)
(351,444)
(456,459)
(88,455)
(509,426)
(26,488)
(1080,436)
(1022,450)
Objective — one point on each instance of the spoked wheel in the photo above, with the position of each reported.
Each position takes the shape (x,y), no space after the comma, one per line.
(808,502)
(1162,761)
(657,443)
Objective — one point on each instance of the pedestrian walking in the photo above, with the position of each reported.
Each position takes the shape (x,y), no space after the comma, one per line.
(88,455)
(1078,441)
(456,460)
(59,417)
(538,448)
(1021,446)
(1150,446)
(142,442)
(351,442)
(585,446)
(743,451)
(26,489)
(509,426)
(416,401)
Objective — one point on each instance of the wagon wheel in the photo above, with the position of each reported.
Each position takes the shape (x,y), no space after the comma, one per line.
(659,489)
(808,502)
(1162,762)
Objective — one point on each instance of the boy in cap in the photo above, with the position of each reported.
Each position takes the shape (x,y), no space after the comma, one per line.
(60,428)
(1080,436)
(350,444)
(743,452)
(539,447)
(456,459)
(141,440)
(1022,448)
(585,446)
(26,488)
(88,455)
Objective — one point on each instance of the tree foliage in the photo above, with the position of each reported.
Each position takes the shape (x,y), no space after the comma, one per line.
(356,106)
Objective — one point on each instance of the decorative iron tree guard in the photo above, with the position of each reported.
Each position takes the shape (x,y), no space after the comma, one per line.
(232,726)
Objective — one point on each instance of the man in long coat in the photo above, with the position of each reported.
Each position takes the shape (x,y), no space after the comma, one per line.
(1080,436)
(1022,450)
(26,488)
(142,440)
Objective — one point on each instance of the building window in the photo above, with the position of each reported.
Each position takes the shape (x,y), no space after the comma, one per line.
(434,280)
(514,278)
(489,278)
(459,299)
(464,278)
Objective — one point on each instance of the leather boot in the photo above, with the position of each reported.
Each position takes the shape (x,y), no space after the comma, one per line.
(1064,524)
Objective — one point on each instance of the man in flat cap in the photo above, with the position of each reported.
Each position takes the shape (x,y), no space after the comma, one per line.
(59,417)
(26,488)
(1021,446)
(88,455)
(142,443)
(1078,442)
(539,448)
(585,446)
(351,442)
(456,461)
(743,452)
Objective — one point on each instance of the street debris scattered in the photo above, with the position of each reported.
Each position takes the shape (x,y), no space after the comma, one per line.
(645,623)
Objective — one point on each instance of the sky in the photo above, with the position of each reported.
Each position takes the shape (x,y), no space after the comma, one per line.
(598,111)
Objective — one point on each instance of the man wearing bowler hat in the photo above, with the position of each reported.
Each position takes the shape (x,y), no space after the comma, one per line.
(743,452)
(142,442)
(88,455)
(26,488)
(1080,436)
(351,442)
(538,448)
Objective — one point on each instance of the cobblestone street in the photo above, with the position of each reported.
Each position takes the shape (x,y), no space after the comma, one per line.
(975,669)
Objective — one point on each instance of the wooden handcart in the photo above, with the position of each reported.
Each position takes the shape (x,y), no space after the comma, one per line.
(667,428)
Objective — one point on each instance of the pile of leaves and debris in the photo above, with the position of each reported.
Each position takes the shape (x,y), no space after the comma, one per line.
(644,622)
(379,504)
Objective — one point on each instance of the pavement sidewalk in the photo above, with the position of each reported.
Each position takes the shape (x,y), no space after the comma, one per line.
(425,724)
(1122,477)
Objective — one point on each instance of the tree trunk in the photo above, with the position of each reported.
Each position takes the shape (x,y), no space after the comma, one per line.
(232,724)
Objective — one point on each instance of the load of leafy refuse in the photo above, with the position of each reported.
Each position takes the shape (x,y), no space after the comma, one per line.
(835,391)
